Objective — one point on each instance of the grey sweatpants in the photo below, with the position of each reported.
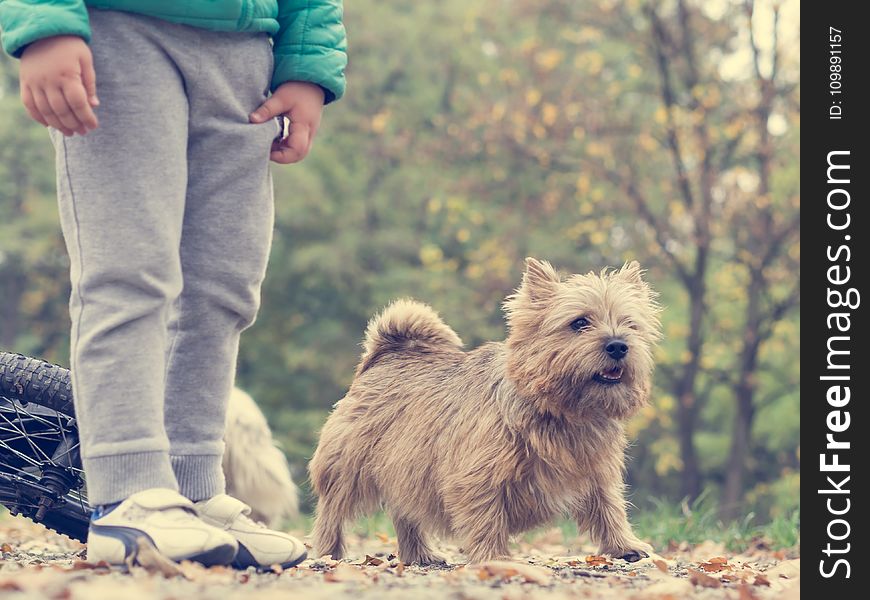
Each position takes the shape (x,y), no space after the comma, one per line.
(167,213)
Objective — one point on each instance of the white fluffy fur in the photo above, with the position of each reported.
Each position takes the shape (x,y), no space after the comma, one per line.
(256,470)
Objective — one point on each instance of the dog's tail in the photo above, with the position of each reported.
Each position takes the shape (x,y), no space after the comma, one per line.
(402,325)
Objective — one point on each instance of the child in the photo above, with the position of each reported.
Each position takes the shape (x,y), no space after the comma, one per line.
(167,212)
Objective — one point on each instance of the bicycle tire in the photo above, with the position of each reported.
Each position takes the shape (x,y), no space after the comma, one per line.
(30,380)
(33,380)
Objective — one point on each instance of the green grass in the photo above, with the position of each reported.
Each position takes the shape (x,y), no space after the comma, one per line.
(662,523)
(666,522)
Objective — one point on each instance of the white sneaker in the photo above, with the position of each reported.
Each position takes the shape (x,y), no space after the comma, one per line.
(165,520)
(259,546)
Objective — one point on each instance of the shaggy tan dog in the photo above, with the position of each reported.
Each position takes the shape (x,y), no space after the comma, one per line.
(484,444)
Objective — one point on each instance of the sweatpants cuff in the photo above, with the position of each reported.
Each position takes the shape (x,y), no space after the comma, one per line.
(199,476)
(116,477)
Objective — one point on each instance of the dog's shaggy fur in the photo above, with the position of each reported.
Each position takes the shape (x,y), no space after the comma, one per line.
(484,444)
(255,469)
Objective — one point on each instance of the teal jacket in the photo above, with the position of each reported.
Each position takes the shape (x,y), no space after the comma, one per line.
(309,37)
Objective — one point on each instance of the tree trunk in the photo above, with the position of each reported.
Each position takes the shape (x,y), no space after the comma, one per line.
(741,436)
(687,400)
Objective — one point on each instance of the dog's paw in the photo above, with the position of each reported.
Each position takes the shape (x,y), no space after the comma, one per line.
(631,551)
(634,555)
(433,560)
(426,560)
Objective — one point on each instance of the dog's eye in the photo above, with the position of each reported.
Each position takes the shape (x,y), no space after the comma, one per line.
(580,324)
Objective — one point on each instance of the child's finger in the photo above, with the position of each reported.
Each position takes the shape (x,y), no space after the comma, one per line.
(45,110)
(76,98)
(89,80)
(61,109)
(294,146)
(272,107)
(285,156)
(30,106)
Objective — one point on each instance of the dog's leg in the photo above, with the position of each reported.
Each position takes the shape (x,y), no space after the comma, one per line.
(483,529)
(337,503)
(485,542)
(603,513)
(328,534)
(413,547)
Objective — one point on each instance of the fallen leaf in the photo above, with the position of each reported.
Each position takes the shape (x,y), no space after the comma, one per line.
(10,585)
(373,561)
(761,580)
(661,565)
(383,537)
(400,568)
(698,578)
(593,560)
(714,565)
(147,557)
(5,547)
(82,565)
(504,570)
(344,572)
(744,592)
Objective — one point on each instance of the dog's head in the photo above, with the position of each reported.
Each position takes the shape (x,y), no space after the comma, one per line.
(583,346)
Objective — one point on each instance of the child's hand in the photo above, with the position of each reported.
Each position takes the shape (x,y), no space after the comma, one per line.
(58,84)
(302,102)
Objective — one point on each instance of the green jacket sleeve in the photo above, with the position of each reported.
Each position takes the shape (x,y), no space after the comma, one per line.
(311,45)
(25,21)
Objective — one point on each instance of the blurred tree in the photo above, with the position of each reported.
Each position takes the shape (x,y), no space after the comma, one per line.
(33,264)
(766,228)
(474,134)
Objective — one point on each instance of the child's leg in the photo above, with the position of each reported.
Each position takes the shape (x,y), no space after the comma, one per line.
(121,191)
(227,233)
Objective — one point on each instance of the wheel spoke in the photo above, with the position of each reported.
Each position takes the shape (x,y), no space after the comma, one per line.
(23,432)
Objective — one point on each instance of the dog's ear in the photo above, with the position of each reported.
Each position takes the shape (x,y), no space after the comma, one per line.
(540,283)
(540,280)
(632,272)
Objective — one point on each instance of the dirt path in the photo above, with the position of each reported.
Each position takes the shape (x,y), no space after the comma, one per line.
(37,564)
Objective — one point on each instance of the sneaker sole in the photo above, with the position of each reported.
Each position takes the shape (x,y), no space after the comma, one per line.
(245,560)
(222,555)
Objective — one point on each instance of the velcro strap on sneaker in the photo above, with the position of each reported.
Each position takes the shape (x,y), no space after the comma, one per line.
(162,498)
(224,509)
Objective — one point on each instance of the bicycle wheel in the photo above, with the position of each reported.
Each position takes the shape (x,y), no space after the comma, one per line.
(41,475)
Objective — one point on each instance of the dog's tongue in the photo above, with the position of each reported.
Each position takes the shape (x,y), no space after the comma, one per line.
(614,373)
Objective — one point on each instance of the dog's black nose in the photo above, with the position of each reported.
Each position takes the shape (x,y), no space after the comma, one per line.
(616,348)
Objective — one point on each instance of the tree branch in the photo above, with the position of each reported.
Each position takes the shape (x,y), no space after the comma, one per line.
(660,37)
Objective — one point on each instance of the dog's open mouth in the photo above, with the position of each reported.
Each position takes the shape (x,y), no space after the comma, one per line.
(609,376)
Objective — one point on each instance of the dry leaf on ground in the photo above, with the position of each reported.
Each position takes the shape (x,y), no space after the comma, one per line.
(715,565)
(699,578)
(344,572)
(593,560)
(502,569)
(147,557)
